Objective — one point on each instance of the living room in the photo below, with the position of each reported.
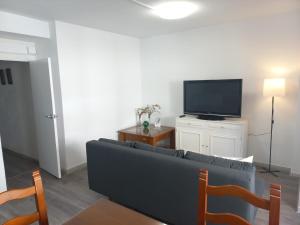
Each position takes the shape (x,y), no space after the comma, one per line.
(118,56)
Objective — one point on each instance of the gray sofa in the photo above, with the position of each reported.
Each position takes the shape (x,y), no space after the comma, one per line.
(163,183)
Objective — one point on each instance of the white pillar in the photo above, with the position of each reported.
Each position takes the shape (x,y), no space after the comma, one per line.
(2,171)
(299,197)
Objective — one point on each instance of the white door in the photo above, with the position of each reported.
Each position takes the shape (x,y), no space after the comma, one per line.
(45,117)
(2,171)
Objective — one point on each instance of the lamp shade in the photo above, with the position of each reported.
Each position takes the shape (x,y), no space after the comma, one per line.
(274,87)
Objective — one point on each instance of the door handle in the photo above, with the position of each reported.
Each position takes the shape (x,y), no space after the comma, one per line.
(51,116)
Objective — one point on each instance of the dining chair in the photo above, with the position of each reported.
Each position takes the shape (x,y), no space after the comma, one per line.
(272,204)
(36,190)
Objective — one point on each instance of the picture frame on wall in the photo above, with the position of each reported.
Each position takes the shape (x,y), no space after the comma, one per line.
(2,77)
(9,76)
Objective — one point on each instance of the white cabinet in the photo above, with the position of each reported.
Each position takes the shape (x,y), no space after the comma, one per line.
(226,138)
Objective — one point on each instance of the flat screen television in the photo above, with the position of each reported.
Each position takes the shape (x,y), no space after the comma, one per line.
(213,99)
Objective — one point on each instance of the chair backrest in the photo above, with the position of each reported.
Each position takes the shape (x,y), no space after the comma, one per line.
(272,204)
(36,190)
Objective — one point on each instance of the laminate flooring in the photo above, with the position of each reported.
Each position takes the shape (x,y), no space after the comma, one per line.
(68,196)
(65,197)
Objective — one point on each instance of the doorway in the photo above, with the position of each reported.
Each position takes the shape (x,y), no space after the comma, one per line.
(17,127)
(27,117)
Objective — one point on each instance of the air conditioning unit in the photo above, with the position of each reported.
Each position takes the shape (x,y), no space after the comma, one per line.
(16,50)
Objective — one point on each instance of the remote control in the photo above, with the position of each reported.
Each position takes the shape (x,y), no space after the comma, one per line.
(181,116)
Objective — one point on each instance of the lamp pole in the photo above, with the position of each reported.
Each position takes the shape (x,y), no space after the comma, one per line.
(273,87)
(271,135)
(268,170)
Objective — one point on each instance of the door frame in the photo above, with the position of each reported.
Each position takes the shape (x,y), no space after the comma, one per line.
(3,186)
(29,58)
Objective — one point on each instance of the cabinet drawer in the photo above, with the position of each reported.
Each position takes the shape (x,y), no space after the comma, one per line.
(190,125)
(132,137)
(225,126)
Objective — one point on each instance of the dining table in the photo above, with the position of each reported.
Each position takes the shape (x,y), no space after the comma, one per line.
(106,212)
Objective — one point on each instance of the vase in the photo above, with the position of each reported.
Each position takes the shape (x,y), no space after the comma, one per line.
(139,120)
(146,124)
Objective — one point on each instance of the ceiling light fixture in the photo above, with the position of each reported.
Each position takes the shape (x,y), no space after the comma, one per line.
(175,10)
(171,10)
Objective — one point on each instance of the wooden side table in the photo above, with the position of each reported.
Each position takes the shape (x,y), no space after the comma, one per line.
(155,135)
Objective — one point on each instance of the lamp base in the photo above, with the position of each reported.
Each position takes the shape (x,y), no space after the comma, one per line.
(267,170)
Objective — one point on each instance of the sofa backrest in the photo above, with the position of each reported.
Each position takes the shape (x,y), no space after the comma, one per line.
(161,186)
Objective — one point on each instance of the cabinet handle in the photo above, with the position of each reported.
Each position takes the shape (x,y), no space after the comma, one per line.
(217,127)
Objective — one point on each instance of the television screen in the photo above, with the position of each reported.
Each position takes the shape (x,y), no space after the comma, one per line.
(213,97)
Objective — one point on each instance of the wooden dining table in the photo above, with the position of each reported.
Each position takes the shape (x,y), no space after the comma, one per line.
(106,212)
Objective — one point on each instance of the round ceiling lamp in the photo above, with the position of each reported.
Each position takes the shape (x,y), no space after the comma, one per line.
(175,9)
(171,10)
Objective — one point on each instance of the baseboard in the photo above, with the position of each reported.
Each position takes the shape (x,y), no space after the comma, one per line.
(295,174)
(19,155)
(64,171)
(275,167)
(73,169)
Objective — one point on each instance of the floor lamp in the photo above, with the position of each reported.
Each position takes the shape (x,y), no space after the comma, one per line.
(274,88)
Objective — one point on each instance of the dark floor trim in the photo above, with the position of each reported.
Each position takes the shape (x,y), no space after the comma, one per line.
(275,167)
(74,169)
(19,155)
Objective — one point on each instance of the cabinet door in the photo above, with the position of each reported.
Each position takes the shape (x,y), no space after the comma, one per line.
(204,144)
(189,140)
(226,146)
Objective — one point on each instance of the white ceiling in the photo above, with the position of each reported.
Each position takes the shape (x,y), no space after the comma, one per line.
(125,17)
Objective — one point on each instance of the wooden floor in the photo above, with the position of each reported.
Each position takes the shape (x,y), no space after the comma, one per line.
(65,197)
(289,200)
(70,195)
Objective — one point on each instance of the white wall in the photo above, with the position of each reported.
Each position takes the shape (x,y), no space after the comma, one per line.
(100,82)
(249,50)
(100,78)
(2,171)
(14,23)
(17,127)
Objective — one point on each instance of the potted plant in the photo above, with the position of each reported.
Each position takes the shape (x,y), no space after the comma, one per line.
(147,110)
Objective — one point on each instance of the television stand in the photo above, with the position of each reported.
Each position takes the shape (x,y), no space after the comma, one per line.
(210,117)
(227,138)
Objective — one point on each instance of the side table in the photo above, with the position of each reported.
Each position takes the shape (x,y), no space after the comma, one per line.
(152,137)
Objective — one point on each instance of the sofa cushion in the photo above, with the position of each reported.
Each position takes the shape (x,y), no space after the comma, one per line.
(143,146)
(160,150)
(218,161)
(199,157)
(126,143)
(243,166)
